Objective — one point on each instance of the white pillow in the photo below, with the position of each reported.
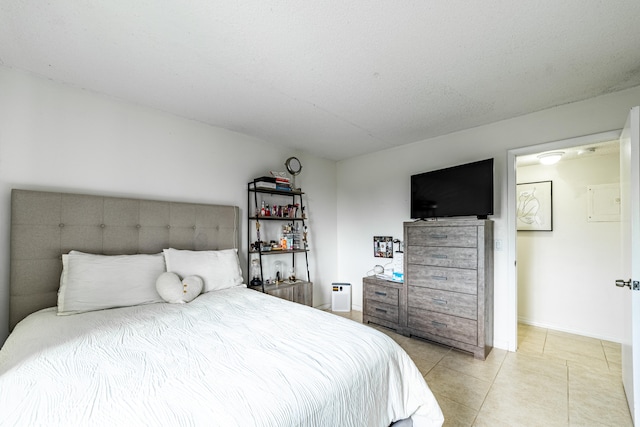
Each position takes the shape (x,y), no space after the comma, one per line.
(218,269)
(95,282)
(176,291)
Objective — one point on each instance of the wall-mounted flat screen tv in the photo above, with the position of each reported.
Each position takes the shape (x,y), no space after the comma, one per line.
(464,190)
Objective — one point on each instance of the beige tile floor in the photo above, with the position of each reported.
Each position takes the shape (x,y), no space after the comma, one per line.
(554,379)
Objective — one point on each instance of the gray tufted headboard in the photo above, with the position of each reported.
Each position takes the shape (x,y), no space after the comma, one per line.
(45,225)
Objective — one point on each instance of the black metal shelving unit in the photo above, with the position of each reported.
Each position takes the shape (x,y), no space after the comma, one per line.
(255,223)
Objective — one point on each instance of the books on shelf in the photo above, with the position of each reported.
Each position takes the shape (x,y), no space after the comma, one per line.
(283,184)
(265,179)
(268,185)
(273,183)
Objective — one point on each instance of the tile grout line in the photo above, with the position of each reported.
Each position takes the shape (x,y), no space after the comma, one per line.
(493,381)
(568,397)
(605,356)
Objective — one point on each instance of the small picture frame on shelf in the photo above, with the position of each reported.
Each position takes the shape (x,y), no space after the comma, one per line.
(383,246)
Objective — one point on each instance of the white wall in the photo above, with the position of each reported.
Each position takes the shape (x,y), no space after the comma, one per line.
(55,137)
(373,190)
(566,276)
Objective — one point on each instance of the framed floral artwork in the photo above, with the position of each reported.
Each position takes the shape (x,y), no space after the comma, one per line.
(534,211)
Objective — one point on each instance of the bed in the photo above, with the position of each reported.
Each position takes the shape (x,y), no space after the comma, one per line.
(230,356)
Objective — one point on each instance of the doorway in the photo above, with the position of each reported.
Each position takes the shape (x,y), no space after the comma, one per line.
(524,155)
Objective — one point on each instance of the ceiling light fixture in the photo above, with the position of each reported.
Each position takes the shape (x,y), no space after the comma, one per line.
(550,158)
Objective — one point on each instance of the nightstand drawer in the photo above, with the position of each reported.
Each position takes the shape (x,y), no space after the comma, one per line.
(446,279)
(453,303)
(443,257)
(461,237)
(442,325)
(382,311)
(384,294)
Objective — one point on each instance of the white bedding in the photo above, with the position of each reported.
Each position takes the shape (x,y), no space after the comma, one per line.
(233,357)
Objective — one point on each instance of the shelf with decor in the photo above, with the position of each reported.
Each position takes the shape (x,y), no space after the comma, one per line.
(276,224)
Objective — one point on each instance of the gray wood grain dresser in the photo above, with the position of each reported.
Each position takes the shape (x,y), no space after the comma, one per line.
(384,303)
(448,271)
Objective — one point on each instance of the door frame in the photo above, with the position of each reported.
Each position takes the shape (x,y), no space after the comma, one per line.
(511,214)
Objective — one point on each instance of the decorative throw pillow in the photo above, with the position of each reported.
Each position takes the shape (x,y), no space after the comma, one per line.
(218,269)
(177,291)
(95,282)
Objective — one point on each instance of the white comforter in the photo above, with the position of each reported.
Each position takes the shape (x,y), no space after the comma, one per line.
(230,358)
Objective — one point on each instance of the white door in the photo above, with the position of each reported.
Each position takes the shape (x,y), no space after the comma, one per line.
(630,214)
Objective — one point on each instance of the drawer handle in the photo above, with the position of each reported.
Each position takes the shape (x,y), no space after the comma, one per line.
(381,310)
(383,294)
(439,256)
(438,324)
(440,301)
(439,277)
(439,236)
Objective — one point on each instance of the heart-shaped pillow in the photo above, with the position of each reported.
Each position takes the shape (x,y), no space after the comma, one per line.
(177,291)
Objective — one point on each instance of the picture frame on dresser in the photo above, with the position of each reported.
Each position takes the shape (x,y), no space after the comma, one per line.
(383,246)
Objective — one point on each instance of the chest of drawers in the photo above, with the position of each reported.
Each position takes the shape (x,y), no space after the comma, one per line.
(449,283)
(383,303)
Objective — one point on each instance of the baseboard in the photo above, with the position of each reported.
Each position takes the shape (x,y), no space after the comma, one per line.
(567,330)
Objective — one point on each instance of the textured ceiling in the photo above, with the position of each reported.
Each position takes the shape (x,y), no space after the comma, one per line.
(334,78)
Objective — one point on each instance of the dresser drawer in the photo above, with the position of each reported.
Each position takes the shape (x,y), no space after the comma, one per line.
(384,294)
(456,304)
(443,256)
(382,311)
(443,325)
(447,279)
(461,237)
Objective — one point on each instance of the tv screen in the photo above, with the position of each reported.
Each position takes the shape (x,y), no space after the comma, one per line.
(465,190)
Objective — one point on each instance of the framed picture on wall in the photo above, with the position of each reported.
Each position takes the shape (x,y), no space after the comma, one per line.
(534,211)
(383,246)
